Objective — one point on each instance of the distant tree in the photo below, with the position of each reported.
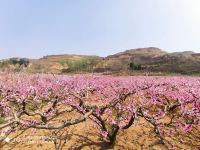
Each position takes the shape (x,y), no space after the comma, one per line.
(20,61)
(14,61)
(131,66)
(138,67)
(23,61)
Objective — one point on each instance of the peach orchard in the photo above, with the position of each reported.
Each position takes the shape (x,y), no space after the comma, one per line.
(170,104)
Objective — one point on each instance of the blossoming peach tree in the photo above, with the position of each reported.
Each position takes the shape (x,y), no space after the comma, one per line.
(171,105)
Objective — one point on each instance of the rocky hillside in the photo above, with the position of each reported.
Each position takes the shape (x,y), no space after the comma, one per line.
(154,59)
(134,60)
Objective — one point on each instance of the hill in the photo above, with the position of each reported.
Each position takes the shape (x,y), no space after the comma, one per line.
(154,59)
(139,60)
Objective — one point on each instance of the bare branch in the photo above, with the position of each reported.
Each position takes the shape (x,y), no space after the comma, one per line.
(64,124)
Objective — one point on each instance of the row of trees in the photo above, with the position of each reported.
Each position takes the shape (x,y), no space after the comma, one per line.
(111,103)
(19,61)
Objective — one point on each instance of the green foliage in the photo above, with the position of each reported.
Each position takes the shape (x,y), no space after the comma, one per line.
(84,64)
(20,61)
(133,66)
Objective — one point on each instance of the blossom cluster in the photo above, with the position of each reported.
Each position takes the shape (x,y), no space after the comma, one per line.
(117,101)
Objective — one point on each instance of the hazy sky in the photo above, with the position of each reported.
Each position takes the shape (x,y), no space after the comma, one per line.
(33,28)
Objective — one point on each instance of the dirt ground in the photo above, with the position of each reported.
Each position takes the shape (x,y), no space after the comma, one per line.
(84,136)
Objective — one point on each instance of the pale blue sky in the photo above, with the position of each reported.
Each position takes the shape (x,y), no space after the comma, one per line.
(33,28)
